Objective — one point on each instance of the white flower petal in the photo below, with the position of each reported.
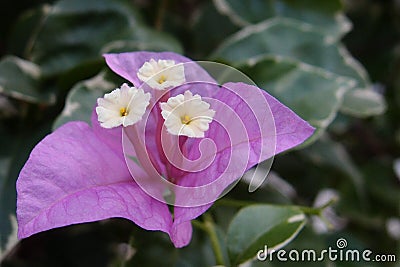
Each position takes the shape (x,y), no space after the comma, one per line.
(123,106)
(162,74)
(187,114)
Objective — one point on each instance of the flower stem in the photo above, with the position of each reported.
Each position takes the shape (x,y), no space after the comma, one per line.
(209,227)
(160,15)
(200,225)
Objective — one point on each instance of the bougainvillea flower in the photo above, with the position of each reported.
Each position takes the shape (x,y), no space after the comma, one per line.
(162,74)
(186,114)
(124,106)
(192,139)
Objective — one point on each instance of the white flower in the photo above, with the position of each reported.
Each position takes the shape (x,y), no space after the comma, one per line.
(162,74)
(186,114)
(124,106)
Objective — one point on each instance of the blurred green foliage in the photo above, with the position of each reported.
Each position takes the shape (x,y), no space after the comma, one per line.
(337,64)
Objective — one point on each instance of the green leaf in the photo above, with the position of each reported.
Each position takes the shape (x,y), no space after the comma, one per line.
(257,226)
(74,32)
(82,99)
(363,103)
(306,241)
(207,28)
(301,86)
(156,44)
(282,37)
(20,79)
(325,16)
(284,40)
(328,152)
(8,222)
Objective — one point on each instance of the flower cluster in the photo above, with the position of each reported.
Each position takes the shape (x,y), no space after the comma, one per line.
(175,137)
(184,114)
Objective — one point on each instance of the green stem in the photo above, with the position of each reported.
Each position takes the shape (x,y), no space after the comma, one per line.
(46,9)
(160,15)
(199,225)
(308,210)
(209,227)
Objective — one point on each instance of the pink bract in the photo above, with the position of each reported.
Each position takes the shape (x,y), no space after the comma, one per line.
(79,172)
